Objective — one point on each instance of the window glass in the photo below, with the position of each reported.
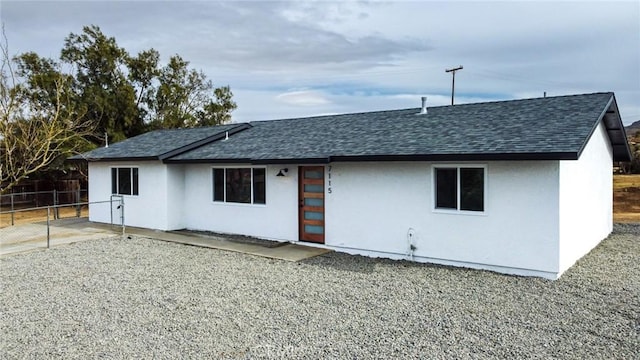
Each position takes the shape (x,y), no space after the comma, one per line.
(218,184)
(114,180)
(313,174)
(446,188)
(238,185)
(124,181)
(259,196)
(313,202)
(135,181)
(313,188)
(313,215)
(472,189)
(314,229)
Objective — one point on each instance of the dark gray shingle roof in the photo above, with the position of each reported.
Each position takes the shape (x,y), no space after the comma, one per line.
(542,128)
(157,144)
(531,129)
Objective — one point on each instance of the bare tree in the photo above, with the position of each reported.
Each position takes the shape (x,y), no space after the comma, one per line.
(35,133)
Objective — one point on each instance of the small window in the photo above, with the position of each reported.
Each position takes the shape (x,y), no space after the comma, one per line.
(124,181)
(239,185)
(259,181)
(218,184)
(447,188)
(459,188)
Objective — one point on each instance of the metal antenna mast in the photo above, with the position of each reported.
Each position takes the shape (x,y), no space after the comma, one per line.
(453,80)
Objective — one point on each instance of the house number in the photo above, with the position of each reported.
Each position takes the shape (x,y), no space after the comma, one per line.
(329,179)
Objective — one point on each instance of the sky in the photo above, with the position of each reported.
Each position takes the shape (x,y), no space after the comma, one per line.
(307,58)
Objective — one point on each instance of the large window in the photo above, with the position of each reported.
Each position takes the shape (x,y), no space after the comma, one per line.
(459,188)
(124,181)
(239,185)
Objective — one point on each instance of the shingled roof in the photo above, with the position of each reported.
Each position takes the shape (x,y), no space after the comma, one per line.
(551,128)
(160,144)
(532,129)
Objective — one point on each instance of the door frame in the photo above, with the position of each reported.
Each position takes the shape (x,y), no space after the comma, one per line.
(302,234)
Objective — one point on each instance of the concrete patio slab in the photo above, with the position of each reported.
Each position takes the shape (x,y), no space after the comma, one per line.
(28,237)
(287,251)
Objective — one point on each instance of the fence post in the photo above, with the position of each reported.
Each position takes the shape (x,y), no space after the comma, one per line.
(122,213)
(55,204)
(48,234)
(12,209)
(78,207)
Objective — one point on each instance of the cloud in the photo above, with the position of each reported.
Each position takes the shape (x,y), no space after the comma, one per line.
(274,39)
(355,56)
(303,98)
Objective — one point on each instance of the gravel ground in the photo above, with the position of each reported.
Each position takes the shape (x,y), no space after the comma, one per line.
(141,298)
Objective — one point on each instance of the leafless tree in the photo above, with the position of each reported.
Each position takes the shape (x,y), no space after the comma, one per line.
(33,134)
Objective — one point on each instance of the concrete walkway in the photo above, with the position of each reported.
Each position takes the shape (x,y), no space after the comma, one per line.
(21,238)
(33,236)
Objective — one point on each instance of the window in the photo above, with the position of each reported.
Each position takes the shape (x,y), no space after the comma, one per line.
(239,185)
(459,188)
(124,181)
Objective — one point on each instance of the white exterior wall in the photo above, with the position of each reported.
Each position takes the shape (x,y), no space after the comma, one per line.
(586,199)
(148,209)
(375,206)
(276,220)
(370,210)
(175,197)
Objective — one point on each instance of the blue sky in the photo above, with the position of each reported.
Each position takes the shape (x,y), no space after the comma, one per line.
(290,59)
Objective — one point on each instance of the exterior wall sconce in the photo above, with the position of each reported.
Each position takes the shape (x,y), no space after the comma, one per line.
(282,172)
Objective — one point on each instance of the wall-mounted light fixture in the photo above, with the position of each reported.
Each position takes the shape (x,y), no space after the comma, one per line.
(282,172)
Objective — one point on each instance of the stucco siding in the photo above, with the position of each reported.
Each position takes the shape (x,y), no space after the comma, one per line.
(586,199)
(175,197)
(383,207)
(148,209)
(276,220)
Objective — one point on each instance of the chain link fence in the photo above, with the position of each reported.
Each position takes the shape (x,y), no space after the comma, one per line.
(26,228)
(31,200)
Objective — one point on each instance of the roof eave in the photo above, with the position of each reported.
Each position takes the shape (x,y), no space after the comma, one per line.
(461,157)
(614,127)
(114,159)
(530,156)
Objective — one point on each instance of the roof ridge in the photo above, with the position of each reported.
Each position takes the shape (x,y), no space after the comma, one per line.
(524,99)
(429,107)
(334,115)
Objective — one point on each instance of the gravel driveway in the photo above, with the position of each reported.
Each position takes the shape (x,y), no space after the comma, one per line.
(141,298)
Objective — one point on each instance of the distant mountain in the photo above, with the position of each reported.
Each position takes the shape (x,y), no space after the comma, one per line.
(633,128)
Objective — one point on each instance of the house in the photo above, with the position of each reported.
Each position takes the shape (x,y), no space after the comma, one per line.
(519,187)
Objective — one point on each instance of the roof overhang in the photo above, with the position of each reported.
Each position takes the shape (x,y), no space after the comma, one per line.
(383,158)
(111,159)
(612,122)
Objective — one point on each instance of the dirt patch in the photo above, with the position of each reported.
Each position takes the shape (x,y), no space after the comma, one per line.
(26,217)
(626,198)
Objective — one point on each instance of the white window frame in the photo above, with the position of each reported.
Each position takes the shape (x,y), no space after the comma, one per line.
(224,188)
(118,180)
(434,189)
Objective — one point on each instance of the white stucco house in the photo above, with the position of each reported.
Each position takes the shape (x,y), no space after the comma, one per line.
(519,187)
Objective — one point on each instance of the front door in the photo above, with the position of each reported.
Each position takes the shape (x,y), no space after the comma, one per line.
(311,201)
